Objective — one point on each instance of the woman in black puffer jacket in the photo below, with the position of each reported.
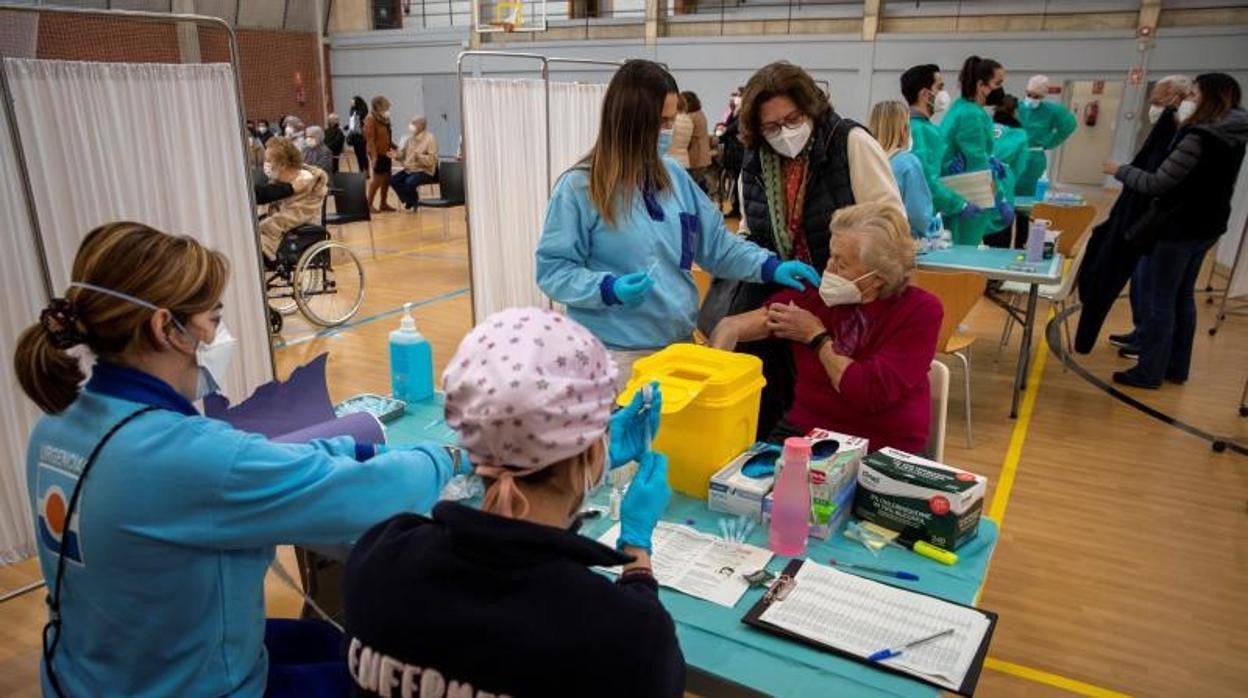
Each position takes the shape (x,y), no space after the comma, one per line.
(1193,190)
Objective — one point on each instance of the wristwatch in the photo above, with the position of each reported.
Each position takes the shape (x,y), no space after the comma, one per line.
(818,341)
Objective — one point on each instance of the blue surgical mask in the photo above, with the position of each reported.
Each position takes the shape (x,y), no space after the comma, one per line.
(665,140)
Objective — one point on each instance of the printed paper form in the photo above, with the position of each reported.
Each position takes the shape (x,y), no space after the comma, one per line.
(862,617)
(698,564)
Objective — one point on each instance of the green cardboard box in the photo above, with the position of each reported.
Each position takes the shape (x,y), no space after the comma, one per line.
(899,490)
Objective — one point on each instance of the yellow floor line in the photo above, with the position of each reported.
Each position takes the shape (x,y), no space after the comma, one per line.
(1044,677)
(1001,496)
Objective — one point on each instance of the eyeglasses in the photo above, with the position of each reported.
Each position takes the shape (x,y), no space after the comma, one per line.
(793,120)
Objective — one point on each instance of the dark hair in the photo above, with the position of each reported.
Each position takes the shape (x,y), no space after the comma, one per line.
(1219,93)
(779,79)
(974,71)
(917,79)
(625,156)
(1007,112)
(692,103)
(358,104)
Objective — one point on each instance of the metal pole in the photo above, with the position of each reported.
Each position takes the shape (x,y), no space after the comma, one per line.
(45,269)
(20,591)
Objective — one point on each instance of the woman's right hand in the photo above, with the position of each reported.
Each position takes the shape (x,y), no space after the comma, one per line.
(725,336)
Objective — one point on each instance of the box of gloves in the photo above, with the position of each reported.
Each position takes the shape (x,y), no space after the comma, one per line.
(733,491)
(899,490)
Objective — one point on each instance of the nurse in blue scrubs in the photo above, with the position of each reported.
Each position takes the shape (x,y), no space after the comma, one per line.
(156,525)
(625,226)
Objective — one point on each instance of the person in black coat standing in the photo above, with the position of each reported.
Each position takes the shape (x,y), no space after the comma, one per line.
(335,139)
(1109,259)
(1192,190)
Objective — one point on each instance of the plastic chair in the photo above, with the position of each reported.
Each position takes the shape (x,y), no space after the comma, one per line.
(938,382)
(351,203)
(1060,295)
(958,293)
(451,188)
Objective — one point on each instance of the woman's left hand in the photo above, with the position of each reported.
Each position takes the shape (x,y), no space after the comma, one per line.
(1110,167)
(793,323)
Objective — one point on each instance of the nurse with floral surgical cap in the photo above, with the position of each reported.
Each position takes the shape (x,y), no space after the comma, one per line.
(503,600)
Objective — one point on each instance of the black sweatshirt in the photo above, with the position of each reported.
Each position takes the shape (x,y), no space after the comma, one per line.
(492,607)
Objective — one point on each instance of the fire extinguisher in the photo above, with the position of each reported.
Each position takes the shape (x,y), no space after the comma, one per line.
(1091,112)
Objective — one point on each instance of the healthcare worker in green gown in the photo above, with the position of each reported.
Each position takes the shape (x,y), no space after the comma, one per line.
(923,87)
(967,130)
(1048,126)
(1009,145)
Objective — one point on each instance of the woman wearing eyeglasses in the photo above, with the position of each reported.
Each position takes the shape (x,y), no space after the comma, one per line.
(803,162)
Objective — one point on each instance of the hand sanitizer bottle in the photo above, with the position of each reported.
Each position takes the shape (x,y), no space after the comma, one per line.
(411,361)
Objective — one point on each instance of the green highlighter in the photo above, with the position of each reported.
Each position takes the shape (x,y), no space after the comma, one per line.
(911,540)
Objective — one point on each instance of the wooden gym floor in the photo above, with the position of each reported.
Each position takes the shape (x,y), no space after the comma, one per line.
(1124,541)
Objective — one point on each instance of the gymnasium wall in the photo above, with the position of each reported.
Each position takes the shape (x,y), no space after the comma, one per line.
(269,59)
(859,73)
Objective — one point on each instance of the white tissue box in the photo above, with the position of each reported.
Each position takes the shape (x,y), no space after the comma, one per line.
(733,492)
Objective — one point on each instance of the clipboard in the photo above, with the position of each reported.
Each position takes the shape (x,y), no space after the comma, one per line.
(783,584)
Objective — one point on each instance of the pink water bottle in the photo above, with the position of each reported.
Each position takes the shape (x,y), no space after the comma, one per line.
(790,505)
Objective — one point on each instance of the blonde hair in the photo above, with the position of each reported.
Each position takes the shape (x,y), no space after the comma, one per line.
(380,104)
(174,272)
(884,241)
(283,153)
(890,122)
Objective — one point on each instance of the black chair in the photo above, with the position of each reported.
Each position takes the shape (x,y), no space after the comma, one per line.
(451,190)
(350,203)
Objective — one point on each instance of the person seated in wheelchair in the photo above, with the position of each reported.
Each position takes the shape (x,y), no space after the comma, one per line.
(295,194)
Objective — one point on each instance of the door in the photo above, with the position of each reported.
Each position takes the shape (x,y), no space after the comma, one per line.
(1095,106)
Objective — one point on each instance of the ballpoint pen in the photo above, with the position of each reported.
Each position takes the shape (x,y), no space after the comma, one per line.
(876,570)
(890,652)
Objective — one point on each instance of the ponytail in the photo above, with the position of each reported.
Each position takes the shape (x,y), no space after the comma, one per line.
(974,71)
(48,375)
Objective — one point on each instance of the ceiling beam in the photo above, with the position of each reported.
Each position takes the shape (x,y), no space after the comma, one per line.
(870,19)
(1150,16)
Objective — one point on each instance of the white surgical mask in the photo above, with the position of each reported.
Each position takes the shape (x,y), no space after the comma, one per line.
(385,114)
(411,128)
(665,140)
(1031,102)
(836,290)
(213,358)
(1186,108)
(942,101)
(790,141)
(269,170)
(1154,112)
(736,102)
(262,129)
(290,131)
(310,142)
(592,487)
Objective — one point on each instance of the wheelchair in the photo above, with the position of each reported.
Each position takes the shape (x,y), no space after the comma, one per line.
(314,275)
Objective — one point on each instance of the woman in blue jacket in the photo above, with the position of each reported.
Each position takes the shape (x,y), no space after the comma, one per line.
(156,525)
(625,226)
(890,122)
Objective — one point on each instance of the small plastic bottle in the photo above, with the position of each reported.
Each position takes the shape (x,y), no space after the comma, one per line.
(790,508)
(1042,187)
(1035,240)
(411,361)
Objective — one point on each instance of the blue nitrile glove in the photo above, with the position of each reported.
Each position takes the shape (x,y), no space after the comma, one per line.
(793,272)
(970,211)
(1006,212)
(633,427)
(645,502)
(998,168)
(957,165)
(631,289)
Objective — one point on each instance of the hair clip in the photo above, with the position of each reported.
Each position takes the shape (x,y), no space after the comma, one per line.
(60,322)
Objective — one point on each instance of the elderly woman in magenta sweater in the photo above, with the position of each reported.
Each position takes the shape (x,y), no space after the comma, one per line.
(862,344)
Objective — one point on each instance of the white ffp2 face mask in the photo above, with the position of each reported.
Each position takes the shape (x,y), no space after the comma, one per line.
(836,290)
(790,141)
(1186,108)
(1154,112)
(942,102)
(214,359)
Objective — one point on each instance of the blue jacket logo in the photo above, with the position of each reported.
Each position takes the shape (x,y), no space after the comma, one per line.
(54,487)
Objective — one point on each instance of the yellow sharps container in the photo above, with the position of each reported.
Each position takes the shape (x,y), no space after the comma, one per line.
(710,409)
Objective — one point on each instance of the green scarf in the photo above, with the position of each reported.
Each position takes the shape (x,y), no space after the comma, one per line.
(773,188)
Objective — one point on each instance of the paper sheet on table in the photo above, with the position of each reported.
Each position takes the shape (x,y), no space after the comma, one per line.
(975,187)
(861,617)
(699,564)
(296,410)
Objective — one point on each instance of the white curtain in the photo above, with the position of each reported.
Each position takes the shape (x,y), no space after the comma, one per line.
(154,143)
(22,298)
(1235,243)
(505,152)
(505,142)
(575,113)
